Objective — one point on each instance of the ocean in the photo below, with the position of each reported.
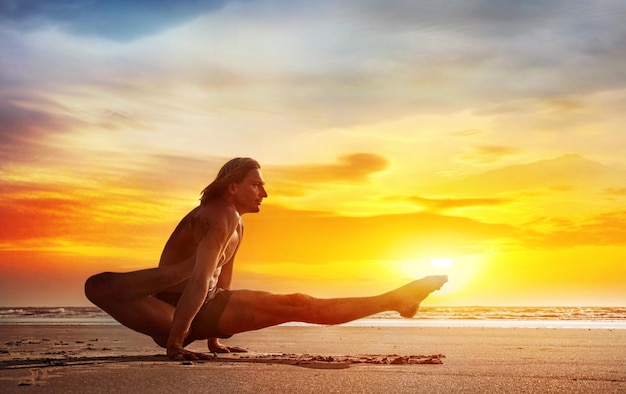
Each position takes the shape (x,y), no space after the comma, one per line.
(428,316)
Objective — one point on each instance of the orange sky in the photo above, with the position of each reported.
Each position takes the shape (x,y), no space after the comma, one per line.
(395,143)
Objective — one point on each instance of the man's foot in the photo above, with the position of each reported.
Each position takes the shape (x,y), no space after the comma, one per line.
(411,295)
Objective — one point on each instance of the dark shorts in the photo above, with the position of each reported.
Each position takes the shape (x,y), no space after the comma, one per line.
(208,315)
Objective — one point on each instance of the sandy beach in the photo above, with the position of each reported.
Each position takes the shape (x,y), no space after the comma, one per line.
(309,359)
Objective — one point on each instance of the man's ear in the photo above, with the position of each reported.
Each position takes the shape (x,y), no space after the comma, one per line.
(232,188)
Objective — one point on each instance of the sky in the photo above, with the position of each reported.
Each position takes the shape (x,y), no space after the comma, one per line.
(482,139)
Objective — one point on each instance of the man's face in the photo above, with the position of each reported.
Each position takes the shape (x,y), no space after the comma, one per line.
(250,192)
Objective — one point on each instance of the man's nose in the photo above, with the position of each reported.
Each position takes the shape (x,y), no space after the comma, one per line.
(263,192)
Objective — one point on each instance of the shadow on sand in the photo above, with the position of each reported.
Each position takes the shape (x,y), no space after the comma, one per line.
(301,360)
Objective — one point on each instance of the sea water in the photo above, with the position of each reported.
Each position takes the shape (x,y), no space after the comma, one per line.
(428,316)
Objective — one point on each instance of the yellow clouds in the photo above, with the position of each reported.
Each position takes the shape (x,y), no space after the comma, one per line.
(322,237)
(77,223)
(508,230)
(569,186)
(606,229)
(440,204)
(107,204)
(347,185)
(576,275)
(329,254)
(353,167)
(488,153)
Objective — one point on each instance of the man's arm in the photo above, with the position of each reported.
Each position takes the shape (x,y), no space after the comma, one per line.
(209,249)
(226,275)
(224,281)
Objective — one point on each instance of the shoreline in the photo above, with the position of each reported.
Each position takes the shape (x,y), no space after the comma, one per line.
(100,359)
(583,317)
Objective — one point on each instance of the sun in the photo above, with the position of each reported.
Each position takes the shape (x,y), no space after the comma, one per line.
(415,268)
(441,262)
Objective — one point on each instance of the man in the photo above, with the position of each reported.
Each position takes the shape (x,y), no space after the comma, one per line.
(187,297)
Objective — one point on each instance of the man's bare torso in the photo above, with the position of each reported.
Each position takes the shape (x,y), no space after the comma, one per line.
(183,243)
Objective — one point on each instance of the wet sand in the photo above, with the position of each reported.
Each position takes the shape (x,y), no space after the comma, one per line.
(309,359)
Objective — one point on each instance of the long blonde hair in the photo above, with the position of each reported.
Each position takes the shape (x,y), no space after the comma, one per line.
(233,171)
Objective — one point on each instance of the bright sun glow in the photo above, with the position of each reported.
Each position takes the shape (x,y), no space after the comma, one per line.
(441,262)
(418,267)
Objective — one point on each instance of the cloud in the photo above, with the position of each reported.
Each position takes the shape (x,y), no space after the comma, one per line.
(18,123)
(565,173)
(326,237)
(497,36)
(100,203)
(353,167)
(24,132)
(118,20)
(488,153)
(439,204)
(35,218)
(500,15)
(616,191)
(412,57)
(332,64)
(167,176)
(465,133)
(606,229)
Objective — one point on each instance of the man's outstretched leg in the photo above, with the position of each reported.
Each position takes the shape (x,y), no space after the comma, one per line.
(252,310)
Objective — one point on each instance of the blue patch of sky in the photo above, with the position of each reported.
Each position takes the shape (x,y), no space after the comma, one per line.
(118,20)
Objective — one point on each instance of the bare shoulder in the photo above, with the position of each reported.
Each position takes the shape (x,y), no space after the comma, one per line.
(217,217)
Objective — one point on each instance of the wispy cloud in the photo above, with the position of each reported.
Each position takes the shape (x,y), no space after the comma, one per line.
(353,167)
(351,62)
(385,237)
(488,153)
(442,204)
(615,191)
(111,19)
(602,230)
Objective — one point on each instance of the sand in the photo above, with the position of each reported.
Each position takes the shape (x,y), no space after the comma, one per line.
(309,359)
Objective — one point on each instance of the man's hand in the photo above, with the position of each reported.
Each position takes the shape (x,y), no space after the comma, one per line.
(178,353)
(216,347)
